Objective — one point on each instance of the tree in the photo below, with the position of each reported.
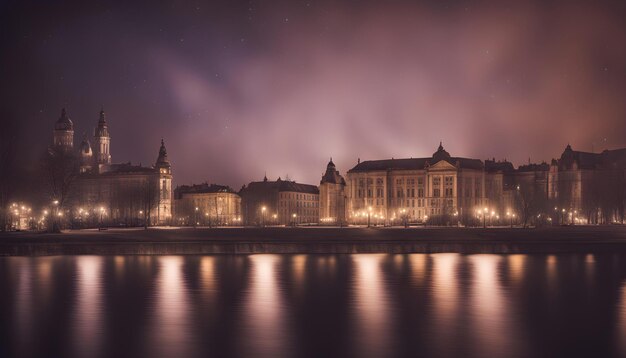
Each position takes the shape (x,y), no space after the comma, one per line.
(8,164)
(60,168)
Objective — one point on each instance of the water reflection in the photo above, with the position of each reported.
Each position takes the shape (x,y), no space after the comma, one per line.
(24,301)
(88,315)
(493,329)
(371,306)
(172,335)
(314,305)
(621,332)
(265,330)
(445,301)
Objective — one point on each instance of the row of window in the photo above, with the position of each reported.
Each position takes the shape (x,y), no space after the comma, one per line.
(298,196)
(448,181)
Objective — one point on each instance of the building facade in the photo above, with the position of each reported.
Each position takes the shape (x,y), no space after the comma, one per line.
(118,194)
(440,187)
(588,187)
(280,202)
(333,199)
(206,204)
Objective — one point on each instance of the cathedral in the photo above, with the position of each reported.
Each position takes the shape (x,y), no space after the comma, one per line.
(113,193)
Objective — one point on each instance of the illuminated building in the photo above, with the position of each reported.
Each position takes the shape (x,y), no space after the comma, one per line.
(206,204)
(282,202)
(590,185)
(115,193)
(332,196)
(433,187)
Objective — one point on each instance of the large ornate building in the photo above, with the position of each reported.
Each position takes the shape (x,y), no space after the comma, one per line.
(206,204)
(589,185)
(280,202)
(115,193)
(418,188)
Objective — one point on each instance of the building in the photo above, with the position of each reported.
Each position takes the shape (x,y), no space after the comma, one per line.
(206,204)
(437,188)
(332,206)
(102,192)
(280,202)
(588,187)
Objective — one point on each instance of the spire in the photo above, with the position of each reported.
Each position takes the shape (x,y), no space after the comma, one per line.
(265,176)
(162,161)
(102,130)
(102,116)
(440,146)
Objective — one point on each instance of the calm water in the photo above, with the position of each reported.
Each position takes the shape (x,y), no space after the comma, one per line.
(313,306)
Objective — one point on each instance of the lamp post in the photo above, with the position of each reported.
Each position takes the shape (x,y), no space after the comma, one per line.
(405,218)
(101,214)
(195,217)
(369,216)
(294,216)
(485,210)
(263,209)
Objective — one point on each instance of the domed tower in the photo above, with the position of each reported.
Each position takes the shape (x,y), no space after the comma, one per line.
(164,168)
(102,141)
(440,154)
(64,132)
(86,156)
(332,196)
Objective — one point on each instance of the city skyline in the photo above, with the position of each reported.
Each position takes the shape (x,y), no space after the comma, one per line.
(239,90)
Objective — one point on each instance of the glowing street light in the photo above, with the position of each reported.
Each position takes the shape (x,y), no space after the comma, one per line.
(263,210)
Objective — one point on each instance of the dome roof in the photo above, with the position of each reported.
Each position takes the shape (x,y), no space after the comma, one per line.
(64,123)
(330,165)
(440,154)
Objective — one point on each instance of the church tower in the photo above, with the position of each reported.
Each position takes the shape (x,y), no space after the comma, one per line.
(164,170)
(102,142)
(86,155)
(64,132)
(332,204)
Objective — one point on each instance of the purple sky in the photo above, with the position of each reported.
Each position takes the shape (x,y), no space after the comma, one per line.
(238,89)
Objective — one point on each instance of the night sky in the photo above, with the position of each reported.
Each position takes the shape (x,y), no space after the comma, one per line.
(238,89)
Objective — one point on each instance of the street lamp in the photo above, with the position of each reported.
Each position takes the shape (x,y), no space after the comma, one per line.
(263,209)
(369,215)
(294,218)
(485,210)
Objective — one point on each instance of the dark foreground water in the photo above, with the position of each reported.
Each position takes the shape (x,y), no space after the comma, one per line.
(313,306)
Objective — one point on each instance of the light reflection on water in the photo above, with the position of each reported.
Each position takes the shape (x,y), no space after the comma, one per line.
(88,315)
(313,305)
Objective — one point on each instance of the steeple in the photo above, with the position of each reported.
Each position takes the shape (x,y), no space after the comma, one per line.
(102,140)
(162,163)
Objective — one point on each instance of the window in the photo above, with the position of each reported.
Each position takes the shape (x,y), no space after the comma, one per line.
(420,192)
(448,192)
(369,193)
(436,192)
(410,181)
(399,181)
(437,181)
(379,181)
(369,181)
(449,180)
(420,181)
